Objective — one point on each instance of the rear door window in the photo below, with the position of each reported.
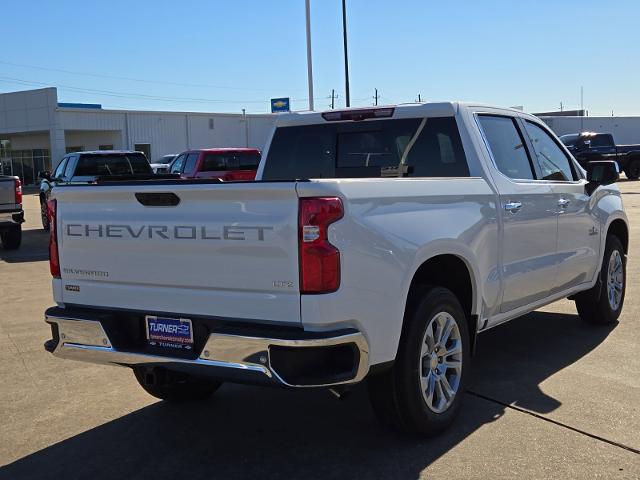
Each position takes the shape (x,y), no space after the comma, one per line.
(381,148)
(507,146)
(553,163)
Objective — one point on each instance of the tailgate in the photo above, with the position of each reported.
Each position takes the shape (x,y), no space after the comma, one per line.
(226,250)
(7,194)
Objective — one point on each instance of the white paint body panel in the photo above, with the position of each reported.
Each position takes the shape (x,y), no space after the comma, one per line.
(390,228)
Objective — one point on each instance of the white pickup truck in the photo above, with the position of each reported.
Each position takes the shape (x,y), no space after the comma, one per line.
(375,244)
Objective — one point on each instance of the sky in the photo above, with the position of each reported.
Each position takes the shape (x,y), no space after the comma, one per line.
(223,56)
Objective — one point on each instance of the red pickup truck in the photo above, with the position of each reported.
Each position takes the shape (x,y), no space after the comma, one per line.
(228,164)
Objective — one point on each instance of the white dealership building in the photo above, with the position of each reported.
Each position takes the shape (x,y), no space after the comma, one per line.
(36,131)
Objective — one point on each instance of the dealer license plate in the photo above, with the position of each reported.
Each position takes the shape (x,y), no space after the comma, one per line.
(169,332)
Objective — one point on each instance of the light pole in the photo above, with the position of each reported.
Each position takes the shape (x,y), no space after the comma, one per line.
(309,67)
(346,57)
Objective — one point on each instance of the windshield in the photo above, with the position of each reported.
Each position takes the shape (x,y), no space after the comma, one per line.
(113,164)
(570,140)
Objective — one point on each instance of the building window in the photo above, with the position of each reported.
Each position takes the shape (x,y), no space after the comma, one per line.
(144,148)
(75,149)
(211,126)
(105,147)
(41,161)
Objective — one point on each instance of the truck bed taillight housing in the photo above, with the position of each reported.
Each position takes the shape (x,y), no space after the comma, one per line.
(18,192)
(54,259)
(319,259)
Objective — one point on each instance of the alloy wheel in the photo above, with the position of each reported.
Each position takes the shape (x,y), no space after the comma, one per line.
(441,362)
(615,280)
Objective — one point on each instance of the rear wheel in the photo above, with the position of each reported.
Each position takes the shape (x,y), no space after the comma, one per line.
(633,169)
(44,214)
(174,386)
(11,238)
(422,391)
(602,304)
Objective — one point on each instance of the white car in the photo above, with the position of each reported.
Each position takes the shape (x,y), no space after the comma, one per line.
(163,164)
(376,244)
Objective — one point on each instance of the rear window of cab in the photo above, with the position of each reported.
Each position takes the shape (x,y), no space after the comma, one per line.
(100,165)
(418,147)
(215,162)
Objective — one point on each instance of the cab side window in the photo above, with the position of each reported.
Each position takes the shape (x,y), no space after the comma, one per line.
(553,163)
(507,146)
(178,163)
(190,163)
(60,168)
(68,171)
(602,141)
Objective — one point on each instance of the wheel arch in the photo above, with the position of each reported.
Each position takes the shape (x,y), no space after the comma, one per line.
(454,272)
(620,229)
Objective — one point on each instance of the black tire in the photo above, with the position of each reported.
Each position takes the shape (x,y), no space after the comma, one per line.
(396,395)
(44,215)
(174,386)
(11,238)
(633,169)
(594,305)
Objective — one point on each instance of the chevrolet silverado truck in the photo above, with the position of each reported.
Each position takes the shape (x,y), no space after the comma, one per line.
(589,146)
(85,167)
(374,245)
(11,213)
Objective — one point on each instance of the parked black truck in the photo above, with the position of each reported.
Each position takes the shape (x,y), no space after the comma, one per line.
(11,213)
(83,167)
(589,146)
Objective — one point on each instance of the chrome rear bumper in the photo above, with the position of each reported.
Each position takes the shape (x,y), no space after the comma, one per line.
(225,356)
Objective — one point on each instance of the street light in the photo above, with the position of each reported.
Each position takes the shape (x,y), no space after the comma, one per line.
(346,58)
(309,67)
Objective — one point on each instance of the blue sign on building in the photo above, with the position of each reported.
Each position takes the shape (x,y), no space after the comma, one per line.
(279,105)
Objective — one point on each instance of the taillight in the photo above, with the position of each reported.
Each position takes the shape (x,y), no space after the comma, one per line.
(319,260)
(18,192)
(54,259)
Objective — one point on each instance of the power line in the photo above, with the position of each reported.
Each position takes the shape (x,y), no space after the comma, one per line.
(131,79)
(112,93)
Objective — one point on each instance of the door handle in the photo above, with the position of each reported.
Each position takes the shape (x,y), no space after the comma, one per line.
(513,207)
(563,203)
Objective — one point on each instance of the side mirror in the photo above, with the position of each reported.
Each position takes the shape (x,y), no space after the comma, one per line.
(46,174)
(601,172)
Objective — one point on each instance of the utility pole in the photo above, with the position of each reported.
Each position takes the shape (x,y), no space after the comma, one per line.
(582,108)
(246,128)
(333,98)
(346,56)
(419,98)
(309,67)
(375,97)
(561,106)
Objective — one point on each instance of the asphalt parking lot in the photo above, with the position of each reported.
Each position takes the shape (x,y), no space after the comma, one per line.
(551,398)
